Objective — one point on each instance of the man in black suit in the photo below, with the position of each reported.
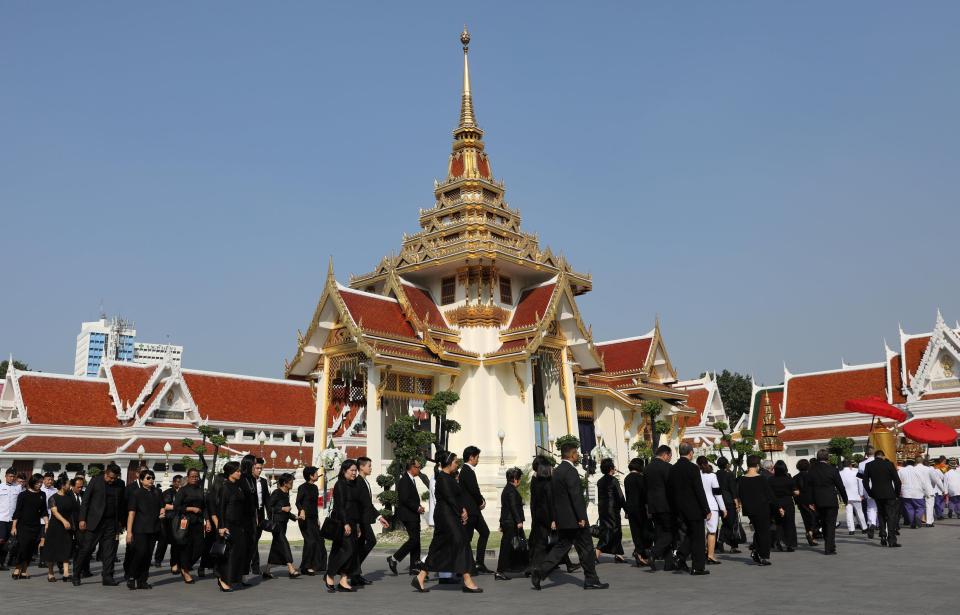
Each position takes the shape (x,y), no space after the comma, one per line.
(689,504)
(100,522)
(656,476)
(263,496)
(728,490)
(408,513)
(368,516)
(573,527)
(824,484)
(474,503)
(882,483)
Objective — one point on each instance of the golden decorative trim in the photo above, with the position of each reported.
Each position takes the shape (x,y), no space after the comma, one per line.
(520,385)
(488,315)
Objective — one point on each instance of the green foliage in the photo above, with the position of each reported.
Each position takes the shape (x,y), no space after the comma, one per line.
(721,426)
(386,481)
(388,498)
(841,448)
(567,439)
(92,470)
(425,496)
(191,463)
(735,390)
(651,408)
(17,365)
(642,449)
(662,427)
(712,457)
(408,441)
(436,406)
(858,458)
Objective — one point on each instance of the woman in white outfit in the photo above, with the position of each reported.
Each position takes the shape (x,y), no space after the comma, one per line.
(711,488)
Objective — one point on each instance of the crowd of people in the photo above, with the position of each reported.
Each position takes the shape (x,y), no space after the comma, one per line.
(677,512)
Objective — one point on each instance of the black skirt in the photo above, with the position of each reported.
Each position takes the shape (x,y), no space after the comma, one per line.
(449,549)
(280,553)
(611,536)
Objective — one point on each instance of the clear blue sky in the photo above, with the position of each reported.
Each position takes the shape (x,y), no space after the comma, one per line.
(777,180)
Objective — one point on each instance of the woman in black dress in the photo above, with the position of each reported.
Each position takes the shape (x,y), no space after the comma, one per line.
(635,505)
(237,523)
(278,509)
(803,501)
(346,513)
(144,515)
(757,501)
(511,524)
(189,513)
(29,520)
(59,539)
(784,490)
(314,556)
(211,512)
(610,502)
(450,548)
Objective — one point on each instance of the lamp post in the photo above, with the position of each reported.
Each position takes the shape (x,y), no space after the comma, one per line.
(501,436)
(273,466)
(140,453)
(287,461)
(301,434)
(166,467)
(262,439)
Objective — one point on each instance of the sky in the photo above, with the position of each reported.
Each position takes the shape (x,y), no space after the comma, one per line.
(777,181)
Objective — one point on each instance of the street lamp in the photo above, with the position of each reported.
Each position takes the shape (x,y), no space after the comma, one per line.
(501,436)
(287,460)
(273,465)
(140,453)
(301,434)
(262,439)
(166,468)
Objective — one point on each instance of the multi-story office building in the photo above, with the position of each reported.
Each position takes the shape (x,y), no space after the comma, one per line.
(114,339)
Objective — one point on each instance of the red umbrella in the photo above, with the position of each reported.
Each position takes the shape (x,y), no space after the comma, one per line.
(928,431)
(876,406)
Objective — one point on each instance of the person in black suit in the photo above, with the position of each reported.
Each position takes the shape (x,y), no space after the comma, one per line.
(474,504)
(511,524)
(368,516)
(635,506)
(314,556)
(689,503)
(728,488)
(823,485)
(236,523)
(144,515)
(100,523)
(804,502)
(408,513)
(263,499)
(129,490)
(165,538)
(544,518)
(573,527)
(656,475)
(882,483)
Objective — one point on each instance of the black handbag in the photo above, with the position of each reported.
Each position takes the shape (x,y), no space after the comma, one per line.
(180,533)
(268,525)
(220,548)
(330,529)
(519,543)
(595,530)
(553,537)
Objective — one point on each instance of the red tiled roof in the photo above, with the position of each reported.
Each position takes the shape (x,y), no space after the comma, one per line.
(129,381)
(825,394)
(896,380)
(63,445)
(825,433)
(67,401)
(511,346)
(615,383)
(424,307)
(532,306)
(913,351)
(383,315)
(630,355)
(151,397)
(697,399)
(241,400)
(407,352)
(455,348)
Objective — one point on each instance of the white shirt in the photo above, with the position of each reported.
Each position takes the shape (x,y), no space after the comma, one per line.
(861,470)
(913,485)
(8,499)
(710,482)
(935,477)
(952,481)
(259,493)
(851,484)
(433,500)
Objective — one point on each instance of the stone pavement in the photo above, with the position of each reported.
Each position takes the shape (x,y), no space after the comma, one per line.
(863,578)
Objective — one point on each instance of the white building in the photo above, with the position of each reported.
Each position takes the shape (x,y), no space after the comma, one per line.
(113,339)
(148,353)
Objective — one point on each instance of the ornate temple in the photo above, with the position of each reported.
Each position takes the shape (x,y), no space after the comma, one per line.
(922,376)
(473,303)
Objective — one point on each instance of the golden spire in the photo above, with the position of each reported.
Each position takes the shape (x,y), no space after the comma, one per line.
(466,100)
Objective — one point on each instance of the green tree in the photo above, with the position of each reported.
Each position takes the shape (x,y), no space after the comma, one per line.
(651,409)
(19,365)
(211,435)
(840,448)
(735,390)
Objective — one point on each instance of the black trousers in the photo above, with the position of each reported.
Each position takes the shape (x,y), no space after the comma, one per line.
(761,533)
(828,522)
(412,545)
(365,544)
(104,536)
(190,552)
(887,512)
(164,540)
(138,557)
(476,522)
(663,528)
(809,518)
(579,539)
(253,549)
(314,556)
(694,543)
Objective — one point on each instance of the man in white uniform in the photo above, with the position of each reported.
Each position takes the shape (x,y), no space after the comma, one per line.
(9,491)
(869,503)
(913,489)
(952,482)
(935,489)
(855,494)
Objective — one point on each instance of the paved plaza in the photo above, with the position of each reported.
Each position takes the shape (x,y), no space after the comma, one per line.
(863,578)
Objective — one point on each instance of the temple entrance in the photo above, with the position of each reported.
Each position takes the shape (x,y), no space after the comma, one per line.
(541,428)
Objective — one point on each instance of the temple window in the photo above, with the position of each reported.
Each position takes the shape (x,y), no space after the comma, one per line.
(506,290)
(448,290)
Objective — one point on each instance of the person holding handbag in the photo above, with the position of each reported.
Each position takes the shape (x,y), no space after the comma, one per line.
(165,538)
(189,524)
(278,513)
(144,515)
(237,525)
(513,544)
(346,515)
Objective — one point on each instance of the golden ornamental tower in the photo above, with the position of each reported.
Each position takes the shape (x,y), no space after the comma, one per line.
(769,438)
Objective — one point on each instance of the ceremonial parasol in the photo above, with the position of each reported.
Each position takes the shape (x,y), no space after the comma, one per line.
(929,431)
(876,406)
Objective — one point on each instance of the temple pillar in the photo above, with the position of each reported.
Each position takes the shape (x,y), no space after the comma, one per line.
(569,394)
(374,423)
(320,416)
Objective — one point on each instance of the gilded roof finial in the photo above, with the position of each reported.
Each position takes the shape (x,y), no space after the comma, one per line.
(466,102)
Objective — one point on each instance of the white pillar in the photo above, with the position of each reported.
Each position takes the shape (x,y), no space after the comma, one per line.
(374,423)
